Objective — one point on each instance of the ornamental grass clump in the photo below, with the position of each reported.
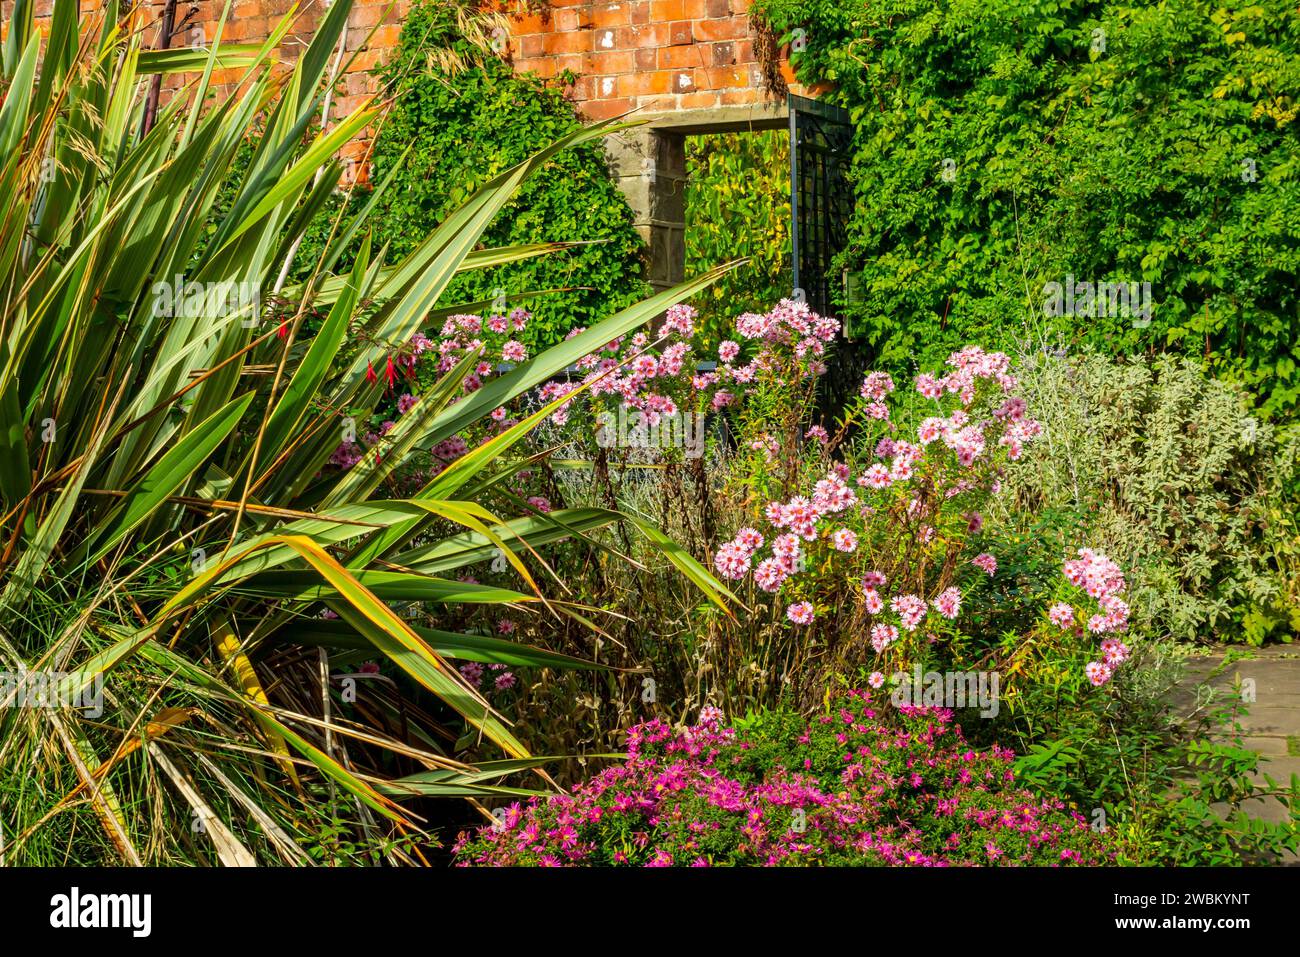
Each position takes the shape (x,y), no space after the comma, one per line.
(863,783)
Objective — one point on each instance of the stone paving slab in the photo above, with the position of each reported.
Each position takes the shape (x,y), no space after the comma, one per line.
(1271,727)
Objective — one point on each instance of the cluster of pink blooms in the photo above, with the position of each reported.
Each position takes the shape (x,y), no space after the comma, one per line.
(839,501)
(656,374)
(473,672)
(852,790)
(1103,581)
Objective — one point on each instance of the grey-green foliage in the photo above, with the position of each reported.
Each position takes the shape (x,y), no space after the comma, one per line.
(1175,479)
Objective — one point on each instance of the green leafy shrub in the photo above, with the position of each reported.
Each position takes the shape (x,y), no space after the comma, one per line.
(1169,473)
(1003,145)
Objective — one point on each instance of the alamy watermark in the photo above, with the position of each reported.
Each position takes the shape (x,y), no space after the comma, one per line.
(947,689)
(634,429)
(1124,300)
(53,689)
(176,298)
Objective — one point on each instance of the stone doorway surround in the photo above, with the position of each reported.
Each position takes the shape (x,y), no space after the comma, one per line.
(649,164)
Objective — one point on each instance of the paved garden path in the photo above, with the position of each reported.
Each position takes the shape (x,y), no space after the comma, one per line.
(1272,726)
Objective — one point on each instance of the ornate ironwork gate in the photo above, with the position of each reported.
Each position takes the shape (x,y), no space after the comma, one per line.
(821,197)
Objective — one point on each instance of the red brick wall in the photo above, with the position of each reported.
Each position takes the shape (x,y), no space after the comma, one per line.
(656,55)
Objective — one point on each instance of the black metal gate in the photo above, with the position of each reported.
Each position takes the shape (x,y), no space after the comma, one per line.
(821,197)
(821,204)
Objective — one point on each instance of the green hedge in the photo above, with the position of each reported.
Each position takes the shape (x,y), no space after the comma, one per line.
(1004,144)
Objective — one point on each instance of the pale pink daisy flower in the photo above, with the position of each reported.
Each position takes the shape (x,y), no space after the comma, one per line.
(801,613)
(844,540)
(876,679)
(878,477)
(770,573)
(1098,673)
(1061,614)
(1114,652)
(948,603)
(882,636)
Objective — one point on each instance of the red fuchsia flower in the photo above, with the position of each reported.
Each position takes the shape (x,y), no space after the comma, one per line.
(390,371)
(882,636)
(948,603)
(370,374)
(1061,615)
(985,563)
(873,602)
(801,613)
(1098,672)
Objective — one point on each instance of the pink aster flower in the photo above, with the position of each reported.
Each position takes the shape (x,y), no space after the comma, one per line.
(770,573)
(877,477)
(844,540)
(1098,673)
(1061,614)
(882,636)
(910,609)
(1114,652)
(732,561)
(948,603)
(801,613)
(985,563)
